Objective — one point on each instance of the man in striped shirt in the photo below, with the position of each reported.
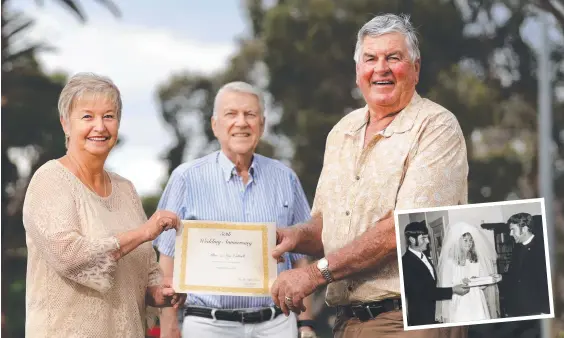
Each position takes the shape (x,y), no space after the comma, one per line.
(234,185)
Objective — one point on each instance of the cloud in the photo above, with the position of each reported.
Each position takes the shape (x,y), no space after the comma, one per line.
(133,56)
(137,59)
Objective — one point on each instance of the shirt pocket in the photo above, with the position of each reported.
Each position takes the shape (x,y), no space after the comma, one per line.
(283,213)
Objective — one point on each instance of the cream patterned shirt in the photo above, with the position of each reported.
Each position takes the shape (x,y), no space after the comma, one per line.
(418,161)
(74,287)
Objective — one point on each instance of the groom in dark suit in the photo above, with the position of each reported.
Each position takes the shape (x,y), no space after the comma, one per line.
(419,278)
(527,277)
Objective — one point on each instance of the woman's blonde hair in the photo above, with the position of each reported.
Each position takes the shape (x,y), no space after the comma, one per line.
(87,84)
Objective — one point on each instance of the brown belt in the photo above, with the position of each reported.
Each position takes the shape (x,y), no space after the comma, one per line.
(368,311)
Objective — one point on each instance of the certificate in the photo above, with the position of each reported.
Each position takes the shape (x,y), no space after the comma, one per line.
(225,258)
(482,281)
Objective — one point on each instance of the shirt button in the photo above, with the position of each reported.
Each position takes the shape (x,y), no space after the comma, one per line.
(347,213)
(350,287)
(357,177)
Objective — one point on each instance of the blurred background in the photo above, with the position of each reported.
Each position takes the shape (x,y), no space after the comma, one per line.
(479,60)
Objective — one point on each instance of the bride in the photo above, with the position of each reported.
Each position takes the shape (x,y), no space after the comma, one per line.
(465,255)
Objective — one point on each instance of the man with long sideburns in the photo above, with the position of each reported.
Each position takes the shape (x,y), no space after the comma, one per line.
(400,151)
(234,185)
(420,278)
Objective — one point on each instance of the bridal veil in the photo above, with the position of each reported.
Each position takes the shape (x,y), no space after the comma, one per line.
(451,253)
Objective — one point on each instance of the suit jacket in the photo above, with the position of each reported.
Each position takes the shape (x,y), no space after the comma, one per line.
(421,291)
(527,282)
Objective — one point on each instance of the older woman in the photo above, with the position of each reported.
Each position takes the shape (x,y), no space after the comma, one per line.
(91,268)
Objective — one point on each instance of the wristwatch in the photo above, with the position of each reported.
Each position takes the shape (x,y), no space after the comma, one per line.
(323,267)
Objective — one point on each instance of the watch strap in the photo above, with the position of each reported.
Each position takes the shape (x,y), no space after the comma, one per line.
(327,275)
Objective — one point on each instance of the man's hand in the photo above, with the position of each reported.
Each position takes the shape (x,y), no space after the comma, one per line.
(165,296)
(286,240)
(461,289)
(292,286)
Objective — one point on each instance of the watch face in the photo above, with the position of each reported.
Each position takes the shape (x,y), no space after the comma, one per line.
(322,264)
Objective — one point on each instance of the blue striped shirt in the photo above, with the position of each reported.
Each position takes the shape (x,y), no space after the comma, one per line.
(209,188)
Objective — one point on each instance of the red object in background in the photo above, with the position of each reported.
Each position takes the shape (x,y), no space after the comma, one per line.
(154,332)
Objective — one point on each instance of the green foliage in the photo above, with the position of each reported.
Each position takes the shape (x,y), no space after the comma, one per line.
(150,204)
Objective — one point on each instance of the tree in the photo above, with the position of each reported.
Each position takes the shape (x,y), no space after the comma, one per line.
(31,131)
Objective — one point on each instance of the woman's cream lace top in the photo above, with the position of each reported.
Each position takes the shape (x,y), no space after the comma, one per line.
(74,286)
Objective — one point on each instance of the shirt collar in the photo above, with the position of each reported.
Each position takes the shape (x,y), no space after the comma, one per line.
(228,167)
(529,240)
(403,122)
(417,253)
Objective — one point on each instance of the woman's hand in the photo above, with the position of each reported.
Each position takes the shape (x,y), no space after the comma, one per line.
(161,220)
(286,239)
(164,296)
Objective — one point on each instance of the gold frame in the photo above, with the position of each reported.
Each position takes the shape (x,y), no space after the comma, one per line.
(235,226)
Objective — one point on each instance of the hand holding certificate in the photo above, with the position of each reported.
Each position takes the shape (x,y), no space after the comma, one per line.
(225,258)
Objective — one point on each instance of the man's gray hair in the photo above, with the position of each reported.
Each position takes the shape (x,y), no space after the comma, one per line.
(388,23)
(88,83)
(240,87)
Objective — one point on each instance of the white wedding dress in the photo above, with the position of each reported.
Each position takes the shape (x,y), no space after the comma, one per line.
(477,304)
(471,306)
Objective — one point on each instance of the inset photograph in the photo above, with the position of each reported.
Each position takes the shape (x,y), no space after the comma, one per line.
(474,264)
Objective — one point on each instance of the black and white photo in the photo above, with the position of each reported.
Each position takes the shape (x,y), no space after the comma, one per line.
(474,264)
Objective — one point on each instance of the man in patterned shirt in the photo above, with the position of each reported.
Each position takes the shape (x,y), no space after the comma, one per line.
(400,151)
(234,185)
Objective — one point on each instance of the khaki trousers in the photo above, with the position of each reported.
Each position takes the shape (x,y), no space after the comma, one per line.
(389,325)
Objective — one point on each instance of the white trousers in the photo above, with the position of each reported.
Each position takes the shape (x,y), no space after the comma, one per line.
(279,327)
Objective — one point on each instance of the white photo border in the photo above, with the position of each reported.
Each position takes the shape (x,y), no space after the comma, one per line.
(468,206)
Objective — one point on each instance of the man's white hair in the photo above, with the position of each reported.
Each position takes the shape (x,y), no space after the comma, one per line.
(240,87)
(388,23)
